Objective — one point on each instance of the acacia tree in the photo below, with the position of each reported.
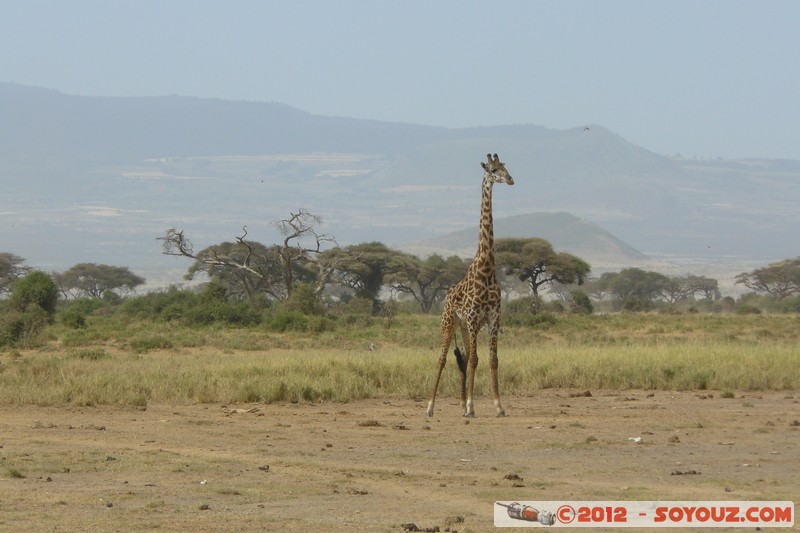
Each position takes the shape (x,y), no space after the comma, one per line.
(780,279)
(427,280)
(12,268)
(672,290)
(634,287)
(95,281)
(262,274)
(535,262)
(364,267)
(707,288)
(249,267)
(680,288)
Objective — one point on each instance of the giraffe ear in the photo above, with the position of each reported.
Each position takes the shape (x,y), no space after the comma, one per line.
(483,165)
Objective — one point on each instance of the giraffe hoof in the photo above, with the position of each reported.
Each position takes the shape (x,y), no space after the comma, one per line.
(501,414)
(469,415)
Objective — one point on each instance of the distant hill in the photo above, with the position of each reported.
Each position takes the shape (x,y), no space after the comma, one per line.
(95,179)
(43,125)
(566,232)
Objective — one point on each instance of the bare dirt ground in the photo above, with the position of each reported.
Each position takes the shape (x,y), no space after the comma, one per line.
(381,465)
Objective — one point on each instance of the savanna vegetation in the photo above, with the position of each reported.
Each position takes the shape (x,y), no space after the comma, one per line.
(178,346)
(296,321)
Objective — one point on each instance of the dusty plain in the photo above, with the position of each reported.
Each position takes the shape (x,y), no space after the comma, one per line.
(381,465)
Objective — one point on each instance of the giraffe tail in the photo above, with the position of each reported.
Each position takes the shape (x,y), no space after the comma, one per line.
(462,364)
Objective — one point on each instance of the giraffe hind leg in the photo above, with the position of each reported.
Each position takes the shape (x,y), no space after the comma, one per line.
(460,361)
(462,368)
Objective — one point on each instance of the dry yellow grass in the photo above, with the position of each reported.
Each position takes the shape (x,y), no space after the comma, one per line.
(114,363)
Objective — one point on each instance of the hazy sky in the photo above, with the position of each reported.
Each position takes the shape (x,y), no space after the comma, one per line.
(707,78)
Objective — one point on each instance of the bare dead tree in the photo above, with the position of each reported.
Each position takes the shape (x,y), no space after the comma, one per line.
(303,244)
(258,268)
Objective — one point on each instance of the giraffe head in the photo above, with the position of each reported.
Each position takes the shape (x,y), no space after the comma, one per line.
(496,171)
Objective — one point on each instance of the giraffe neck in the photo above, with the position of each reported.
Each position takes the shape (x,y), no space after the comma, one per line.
(485,255)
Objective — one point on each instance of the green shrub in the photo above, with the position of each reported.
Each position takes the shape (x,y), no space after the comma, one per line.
(151,342)
(23,328)
(530,320)
(85,306)
(92,355)
(213,312)
(523,312)
(786,305)
(581,303)
(210,307)
(637,304)
(35,289)
(71,318)
(174,311)
(519,306)
(318,324)
(282,320)
(288,321)
(747,309)
(154,305)
(73,314)
(356,306)
(304,300)
(11,327)
(214,293)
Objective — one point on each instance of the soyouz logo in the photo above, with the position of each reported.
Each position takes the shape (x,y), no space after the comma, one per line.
(639,514)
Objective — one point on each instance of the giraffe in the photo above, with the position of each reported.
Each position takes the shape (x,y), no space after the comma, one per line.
(475,301)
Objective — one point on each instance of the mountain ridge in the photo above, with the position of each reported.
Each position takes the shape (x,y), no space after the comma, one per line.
(119,171)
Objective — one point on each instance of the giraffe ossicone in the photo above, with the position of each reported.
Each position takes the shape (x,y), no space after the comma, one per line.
(475,301)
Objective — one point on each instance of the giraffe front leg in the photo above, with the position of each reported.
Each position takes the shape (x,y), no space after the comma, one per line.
(493,364)
(498,406)
(432,401)
(472,364)
(447,337)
